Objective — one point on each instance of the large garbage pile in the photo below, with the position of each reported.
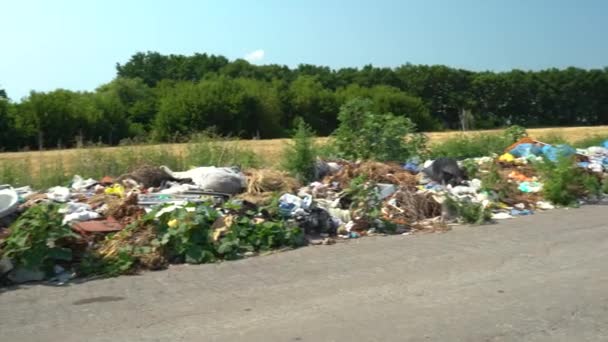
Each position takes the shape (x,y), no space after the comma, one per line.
(153,216)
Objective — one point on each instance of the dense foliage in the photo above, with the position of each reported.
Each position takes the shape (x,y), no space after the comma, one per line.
(39,239)
(564,182)
(170,97)
(365,135)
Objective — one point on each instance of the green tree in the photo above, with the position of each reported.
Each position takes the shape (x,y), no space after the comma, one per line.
(364,134)
(299,156)
(314,103)
(388,99)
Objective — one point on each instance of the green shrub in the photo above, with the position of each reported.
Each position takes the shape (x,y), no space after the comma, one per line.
(605,185)
(187,235)
(327,150)
(564,182)
(365,203)
(300,155)
(93,264)
(363,134)
(471,168)
(38,239)
(514,133)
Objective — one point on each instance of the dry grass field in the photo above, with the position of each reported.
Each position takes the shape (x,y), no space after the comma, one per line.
(269,150)
(72,161)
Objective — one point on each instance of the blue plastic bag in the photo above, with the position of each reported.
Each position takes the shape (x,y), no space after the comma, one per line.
(411,167)
(553,152)
(525,150)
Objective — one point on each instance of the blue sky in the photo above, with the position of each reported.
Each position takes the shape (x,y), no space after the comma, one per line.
(48,44)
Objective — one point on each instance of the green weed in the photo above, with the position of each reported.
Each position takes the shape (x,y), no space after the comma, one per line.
(38,239)
(564,182)
(299,156)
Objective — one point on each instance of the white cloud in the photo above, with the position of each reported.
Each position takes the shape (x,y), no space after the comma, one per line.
(255,56)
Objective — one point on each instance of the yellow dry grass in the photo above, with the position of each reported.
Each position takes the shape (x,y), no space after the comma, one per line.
(269,151)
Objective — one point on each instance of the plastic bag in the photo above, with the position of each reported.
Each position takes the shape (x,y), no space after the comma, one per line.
(506,158)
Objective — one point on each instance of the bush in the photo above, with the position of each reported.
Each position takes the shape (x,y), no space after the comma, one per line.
(514,133)
(38,239)
(299,156)
(188,235)
(564,182)
(363,134)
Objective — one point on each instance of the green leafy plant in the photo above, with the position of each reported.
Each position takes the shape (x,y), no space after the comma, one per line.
(605,185)
(186,234)
(564,182)
(93,264)
(363,134)
(365,204)
(471,168)
(299,157)
(514,133)
(38,239)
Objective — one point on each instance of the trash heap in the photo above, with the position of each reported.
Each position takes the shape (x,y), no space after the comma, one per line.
(153,216)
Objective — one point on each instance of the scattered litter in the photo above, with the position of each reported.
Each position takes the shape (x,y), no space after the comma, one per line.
(518,212)
(78,212)
(79,184)
(445,171)
(157,216)
(58,194)
(116,190)
(544,205)
(530,187)
(506,158)
(289,204)
(501,216)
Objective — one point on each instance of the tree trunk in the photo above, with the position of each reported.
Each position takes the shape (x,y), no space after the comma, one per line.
(40,140)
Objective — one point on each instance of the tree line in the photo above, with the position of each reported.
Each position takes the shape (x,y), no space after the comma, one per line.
(156,97)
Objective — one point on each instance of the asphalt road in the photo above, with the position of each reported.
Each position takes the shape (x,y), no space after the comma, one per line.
(539,278)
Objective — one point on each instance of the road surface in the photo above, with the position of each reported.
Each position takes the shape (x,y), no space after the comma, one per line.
(539,278)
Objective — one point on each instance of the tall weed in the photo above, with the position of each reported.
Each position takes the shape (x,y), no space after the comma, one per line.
(564,182)
(300,155)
